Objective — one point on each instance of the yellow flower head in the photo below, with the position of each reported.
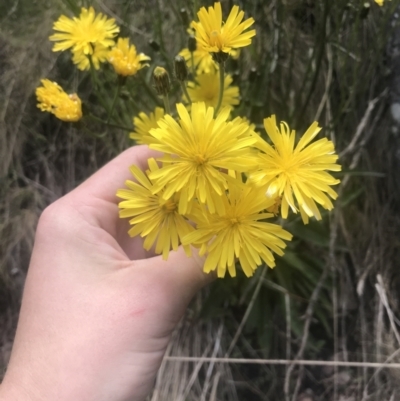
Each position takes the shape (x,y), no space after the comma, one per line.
(198,149)
(300,170)
(206,89)
(215,36)
(99,55)
(125,59)
(238,233)
(144,123)
(53,99)
(151,215)
(202,60)
(90,34)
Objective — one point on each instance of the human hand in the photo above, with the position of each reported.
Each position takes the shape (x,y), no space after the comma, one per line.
(96,314)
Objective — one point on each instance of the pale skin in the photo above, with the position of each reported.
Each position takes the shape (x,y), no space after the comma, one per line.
(97,311)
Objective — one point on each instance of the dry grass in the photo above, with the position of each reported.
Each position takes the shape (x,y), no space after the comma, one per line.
(345,88)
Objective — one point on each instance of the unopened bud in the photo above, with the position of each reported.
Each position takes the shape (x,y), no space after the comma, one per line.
(154,45)
(253,74)
(184,16)
(181,71)
(192,43)
(161,81)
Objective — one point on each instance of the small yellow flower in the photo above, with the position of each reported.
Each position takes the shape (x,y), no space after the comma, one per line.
(380,2)
(53,99)
(143,124)
(199,149)
(215,36)
(151,215)
(125,59)
(99,55)
(206,89)
(238,233)
(202,60)
(299,170)
(88,35)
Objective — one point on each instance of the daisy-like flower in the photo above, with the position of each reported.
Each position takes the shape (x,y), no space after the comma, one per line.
(198,147)
(202,60)
(98,56)
(143,124)
(52,98)
(87,35)
(298,170)
(215,36)
(239,233)
(206,89)
(124,58)
(151,215)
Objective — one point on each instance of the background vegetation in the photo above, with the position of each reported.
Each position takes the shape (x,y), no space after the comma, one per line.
(335,295)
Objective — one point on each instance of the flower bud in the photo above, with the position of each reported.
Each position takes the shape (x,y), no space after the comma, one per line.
(181,71)
(184,16)
(192,43)
(161,81)
(154,45)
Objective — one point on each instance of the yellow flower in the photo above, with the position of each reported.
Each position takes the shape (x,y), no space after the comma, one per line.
(125,59)
(379,2)
(202,60)
(99,55)
(215,36)
(238,233)
(300,170)
(144,123)
(198,148)
(88,35)
(206,89)
(53,99)
(151,215)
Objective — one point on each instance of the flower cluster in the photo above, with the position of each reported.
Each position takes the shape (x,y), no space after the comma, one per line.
(218,185)
(91,40)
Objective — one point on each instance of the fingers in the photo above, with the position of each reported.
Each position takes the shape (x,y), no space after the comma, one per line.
(182,275)
(105,182)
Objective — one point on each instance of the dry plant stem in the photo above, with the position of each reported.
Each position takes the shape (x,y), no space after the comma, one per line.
(378,370)
(384,300)
(327,84)
(217,346)
(308,315)
(247,313)
(362,125)
(221,87)
(299,362)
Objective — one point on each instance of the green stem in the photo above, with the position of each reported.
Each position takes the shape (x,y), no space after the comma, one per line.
(221,86)
(166,104)
(185,91)
(193,67)
(116,95)
(95,83)
(149,90)
(99,120)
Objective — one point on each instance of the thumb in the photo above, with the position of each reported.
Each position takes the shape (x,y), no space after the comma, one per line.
(181,276)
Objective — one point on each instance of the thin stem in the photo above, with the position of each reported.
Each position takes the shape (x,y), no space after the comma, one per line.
(166,104)
(193,67)
(116,95)
(185,91)
(92,117)
(221,86)
(149,90)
